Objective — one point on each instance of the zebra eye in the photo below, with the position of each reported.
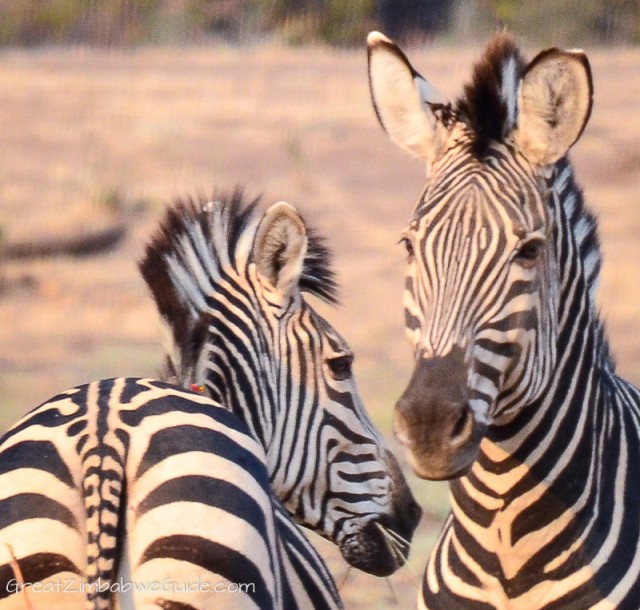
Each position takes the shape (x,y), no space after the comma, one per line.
(340,367)
(529,252)
(408,245)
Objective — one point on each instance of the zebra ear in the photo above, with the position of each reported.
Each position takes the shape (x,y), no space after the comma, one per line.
(280,246)
(404,102)
(554,101)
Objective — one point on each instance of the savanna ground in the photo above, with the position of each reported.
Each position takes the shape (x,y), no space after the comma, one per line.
(86,135)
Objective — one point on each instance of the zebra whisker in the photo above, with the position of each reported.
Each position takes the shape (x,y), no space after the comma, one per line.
(399,543)
(392,590)
(397,537)
(392,544)
(343,580)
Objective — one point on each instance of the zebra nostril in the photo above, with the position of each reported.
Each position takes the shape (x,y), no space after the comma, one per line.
(462,427)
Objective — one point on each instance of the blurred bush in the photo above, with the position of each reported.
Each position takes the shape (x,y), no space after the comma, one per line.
(335,22)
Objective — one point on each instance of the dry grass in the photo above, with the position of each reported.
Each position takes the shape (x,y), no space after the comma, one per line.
(77,126)
(17,574)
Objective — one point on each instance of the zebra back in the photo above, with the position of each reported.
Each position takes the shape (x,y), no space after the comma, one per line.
(202,525)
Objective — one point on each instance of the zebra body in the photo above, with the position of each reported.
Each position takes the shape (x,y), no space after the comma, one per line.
(204,528)
(229,284)
(514,394)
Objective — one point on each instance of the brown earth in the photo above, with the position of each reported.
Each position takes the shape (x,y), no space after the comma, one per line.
(86,135)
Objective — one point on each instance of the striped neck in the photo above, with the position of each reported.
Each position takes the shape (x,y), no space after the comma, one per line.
(232,365)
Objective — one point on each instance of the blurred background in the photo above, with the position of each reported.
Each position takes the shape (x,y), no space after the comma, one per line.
(337,23)
(109,110)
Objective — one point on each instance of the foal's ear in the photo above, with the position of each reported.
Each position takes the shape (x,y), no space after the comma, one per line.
(280,246)
(405,103)
(554,104)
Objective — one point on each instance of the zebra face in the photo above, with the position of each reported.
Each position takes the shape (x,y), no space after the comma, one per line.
(476,308)
(354,492)
(481,282)
(328,464)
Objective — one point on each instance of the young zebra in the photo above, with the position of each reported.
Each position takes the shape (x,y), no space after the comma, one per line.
(229,286)
(264,355)
(514,394)
(203,527)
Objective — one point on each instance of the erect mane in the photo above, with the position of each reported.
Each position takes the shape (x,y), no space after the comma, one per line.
(489,102)
(196,242)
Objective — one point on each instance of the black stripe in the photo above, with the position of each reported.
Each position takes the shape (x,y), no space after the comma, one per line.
(296,544)
(343,431)
(21,507)
(167,604)
(41,455)
(215,558)
(523,320)
(82,441)
(182,402)
(48,418)
(362,477)
(75,428)
(208,491)
(506,350)
(105,389)
(309,584)
(183,439)
(34,568)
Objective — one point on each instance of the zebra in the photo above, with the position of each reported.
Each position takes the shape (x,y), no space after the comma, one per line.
(514,396)
(229,286)
(203,526)
(255,347)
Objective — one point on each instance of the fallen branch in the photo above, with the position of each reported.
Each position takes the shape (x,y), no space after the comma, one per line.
(83,244)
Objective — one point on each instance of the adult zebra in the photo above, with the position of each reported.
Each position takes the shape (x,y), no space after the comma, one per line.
(514,394)
(271,360)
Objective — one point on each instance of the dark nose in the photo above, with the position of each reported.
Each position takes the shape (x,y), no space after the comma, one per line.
(433,418)
(406,508)
(437,396)
(441,422)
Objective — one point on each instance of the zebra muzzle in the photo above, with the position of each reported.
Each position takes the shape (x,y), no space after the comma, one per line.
(434,420)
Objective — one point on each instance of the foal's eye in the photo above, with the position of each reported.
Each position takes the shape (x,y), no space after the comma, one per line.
(340,366)
(408,245)
(529,252)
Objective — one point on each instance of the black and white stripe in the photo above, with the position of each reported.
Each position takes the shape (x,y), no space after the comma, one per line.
(203,527)
(514,395)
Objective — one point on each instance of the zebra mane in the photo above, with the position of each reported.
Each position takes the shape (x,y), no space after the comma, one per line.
(584,226)
(489,102)
(195,241)
(582,221)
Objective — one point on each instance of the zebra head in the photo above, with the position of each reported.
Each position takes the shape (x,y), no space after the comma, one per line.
(481,291)
(230,285)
